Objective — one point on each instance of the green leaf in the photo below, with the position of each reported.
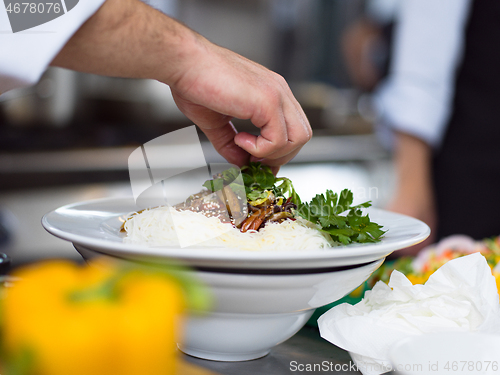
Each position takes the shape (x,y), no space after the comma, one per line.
(255,195)
(333,220)
(355,217)
(326,210)
(258,177)
(286,189)
(228,177)
(304,210)
(214,185)
(365,205)
(341,235)
(331,198)
(345,201)
(374,230)
(230,174)
(263,176)
(247,179)
(320,207)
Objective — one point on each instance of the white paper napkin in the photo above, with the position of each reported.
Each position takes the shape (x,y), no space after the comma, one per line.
(460,296)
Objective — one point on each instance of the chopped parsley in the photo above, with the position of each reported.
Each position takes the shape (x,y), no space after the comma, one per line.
(327,209)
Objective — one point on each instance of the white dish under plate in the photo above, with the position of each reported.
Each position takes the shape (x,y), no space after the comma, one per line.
(96,226)
(260,298)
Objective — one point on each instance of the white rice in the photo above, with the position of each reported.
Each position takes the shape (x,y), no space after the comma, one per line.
(161,226)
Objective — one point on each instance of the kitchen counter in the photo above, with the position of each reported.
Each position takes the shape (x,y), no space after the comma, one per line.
(306,352)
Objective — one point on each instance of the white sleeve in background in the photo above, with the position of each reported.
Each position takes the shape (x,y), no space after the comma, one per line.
(417,95)
(25,55)
(382,11)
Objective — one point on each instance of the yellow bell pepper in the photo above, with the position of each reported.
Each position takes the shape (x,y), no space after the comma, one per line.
(62,319)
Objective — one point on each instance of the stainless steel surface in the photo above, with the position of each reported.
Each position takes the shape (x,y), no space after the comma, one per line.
(24,210)
(306,352)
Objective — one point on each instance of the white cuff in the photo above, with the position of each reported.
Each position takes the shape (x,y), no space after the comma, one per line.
(405,106)
(25,55)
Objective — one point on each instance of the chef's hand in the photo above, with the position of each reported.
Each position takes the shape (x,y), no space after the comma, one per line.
(218,85)
(210,84)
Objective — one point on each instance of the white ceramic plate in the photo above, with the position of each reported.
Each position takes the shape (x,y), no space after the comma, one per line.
(95,225)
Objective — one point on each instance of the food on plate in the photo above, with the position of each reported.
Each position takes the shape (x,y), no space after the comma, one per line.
(160,226)
(256,211)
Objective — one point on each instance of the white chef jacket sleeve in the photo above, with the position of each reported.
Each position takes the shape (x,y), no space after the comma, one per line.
(416,97)
(25,55)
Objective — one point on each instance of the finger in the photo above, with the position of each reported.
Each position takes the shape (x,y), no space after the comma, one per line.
(223,141)
(217,127)
(298,128)
(278,161)
(202,116)
(280,137)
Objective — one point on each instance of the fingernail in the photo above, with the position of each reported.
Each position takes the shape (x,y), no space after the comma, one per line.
(257,160)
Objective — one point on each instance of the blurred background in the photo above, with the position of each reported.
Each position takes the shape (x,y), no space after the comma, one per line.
(68,138)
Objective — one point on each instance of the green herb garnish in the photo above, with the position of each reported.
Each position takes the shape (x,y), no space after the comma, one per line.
(334,212)
(326,211)
(259,179)
(227,177)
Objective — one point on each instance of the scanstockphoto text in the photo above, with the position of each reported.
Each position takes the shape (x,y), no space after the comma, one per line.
(332,367)
(441,367)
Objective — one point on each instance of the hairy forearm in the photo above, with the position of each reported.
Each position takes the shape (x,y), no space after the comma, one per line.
(210,84)
(126,38)
(413,166)
(414,194)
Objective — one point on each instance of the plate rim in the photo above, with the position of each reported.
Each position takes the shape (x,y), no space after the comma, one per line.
(225,254)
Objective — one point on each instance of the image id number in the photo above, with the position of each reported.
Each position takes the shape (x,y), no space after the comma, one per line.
(34,8)
(472,366)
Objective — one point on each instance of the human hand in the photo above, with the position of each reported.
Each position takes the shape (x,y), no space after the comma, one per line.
(217,85)
(210,84)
